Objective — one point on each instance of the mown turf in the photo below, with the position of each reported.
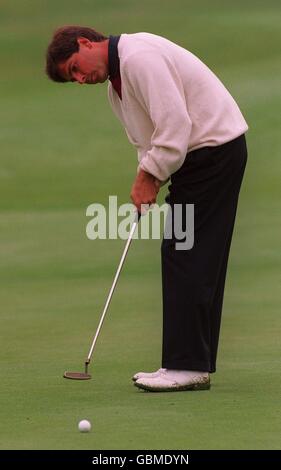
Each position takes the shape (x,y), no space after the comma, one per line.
(61,150)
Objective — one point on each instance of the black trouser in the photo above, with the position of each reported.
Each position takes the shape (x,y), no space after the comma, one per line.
(193,280)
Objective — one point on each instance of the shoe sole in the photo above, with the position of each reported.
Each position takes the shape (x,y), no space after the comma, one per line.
(180,388)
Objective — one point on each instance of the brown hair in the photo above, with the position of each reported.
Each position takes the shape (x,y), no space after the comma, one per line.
(64,44)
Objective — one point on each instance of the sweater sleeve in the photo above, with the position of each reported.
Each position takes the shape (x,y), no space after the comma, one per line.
(154,82)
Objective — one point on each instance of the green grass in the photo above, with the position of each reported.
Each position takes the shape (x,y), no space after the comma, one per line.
(61,150)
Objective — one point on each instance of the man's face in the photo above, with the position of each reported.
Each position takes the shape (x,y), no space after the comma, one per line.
(88,65)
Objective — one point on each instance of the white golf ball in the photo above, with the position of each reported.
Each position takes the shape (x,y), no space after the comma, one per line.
(84,425)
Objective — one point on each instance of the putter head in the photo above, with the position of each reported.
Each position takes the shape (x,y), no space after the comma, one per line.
(77,376)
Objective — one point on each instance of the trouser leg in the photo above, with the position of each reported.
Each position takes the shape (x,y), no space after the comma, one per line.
(193,280)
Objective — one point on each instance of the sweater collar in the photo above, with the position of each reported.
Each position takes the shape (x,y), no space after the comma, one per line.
(113,58)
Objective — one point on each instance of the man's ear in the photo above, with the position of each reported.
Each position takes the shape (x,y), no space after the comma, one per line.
(84,42)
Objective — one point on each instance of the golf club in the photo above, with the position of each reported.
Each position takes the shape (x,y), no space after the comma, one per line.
(85,375)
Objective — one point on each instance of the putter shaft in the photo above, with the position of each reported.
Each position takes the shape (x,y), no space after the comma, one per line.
(87,362)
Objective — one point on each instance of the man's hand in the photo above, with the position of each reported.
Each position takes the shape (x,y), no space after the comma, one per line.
(144,189)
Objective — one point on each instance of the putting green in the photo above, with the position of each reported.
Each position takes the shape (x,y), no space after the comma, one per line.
(61,150)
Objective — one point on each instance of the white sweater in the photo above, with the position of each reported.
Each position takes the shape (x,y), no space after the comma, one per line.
(171,103)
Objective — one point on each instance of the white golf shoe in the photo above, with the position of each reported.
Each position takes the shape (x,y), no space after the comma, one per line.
(147,375)
(168,380)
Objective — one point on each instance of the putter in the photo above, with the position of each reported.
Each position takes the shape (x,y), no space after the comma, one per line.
(85,375)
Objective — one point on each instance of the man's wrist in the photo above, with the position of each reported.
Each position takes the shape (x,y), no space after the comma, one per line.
(142,174)
(145,176)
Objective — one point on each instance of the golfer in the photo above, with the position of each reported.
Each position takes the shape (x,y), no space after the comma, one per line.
(187,130)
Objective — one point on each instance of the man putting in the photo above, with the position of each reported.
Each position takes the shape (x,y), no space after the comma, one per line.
(188,129)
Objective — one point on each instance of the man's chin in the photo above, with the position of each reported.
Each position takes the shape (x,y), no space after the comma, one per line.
(103,79)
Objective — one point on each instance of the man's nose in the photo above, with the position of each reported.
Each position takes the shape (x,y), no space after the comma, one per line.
(80,78)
